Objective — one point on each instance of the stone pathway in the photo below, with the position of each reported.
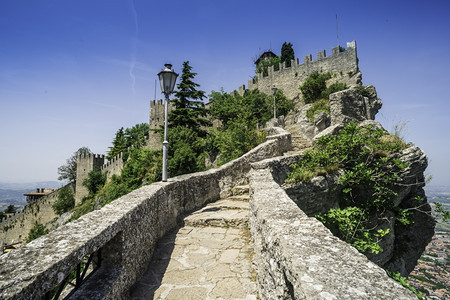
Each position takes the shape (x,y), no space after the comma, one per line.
(209,258)
(299,143)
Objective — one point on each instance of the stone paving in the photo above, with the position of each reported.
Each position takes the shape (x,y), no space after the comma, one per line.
(209,258)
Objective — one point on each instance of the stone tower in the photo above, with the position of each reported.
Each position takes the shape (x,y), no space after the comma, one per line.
(156,120)
(85,164)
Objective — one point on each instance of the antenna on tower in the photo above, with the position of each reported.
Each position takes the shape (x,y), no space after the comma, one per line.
(337,31)
(155,91)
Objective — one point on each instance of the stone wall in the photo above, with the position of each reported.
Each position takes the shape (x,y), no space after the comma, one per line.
(297,257)
(16,228)
(156,120)
(114,166)
(343,64)
(85,164)
(126,230)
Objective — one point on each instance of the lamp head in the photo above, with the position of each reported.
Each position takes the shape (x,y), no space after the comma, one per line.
(167,79)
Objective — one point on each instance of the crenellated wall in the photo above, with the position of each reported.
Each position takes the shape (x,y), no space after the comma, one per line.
(85,164)
(16,228)
(126,230)
(343,64)
(156,120)
(113,166)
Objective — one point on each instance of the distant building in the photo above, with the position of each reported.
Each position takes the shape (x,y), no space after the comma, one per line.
(39,193)
(265,55)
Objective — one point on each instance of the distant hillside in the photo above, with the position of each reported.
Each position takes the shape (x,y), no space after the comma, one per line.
(12,193)
(439,194)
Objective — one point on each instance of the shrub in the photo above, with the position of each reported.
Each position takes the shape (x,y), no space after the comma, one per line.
(65,202)
(335,87)
(319,106)
(364,155)
(264,65)
(313,86)
(35,232)
(94,181)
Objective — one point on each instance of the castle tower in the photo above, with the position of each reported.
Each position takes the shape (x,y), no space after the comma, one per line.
(156,121)
(85,164)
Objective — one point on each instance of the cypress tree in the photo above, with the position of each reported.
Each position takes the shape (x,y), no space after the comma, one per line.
(287,53)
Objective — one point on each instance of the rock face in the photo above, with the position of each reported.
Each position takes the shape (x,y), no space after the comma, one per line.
(404,244)
(296,257)
(345,106)
(350,105)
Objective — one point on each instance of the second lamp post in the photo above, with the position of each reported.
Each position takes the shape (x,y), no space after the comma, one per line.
(167,79)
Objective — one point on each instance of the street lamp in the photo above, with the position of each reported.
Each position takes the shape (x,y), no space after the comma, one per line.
(274,91)
(167,78)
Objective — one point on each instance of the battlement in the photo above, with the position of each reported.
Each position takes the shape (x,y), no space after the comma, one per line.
(344,63)
(113,166)
(91,156)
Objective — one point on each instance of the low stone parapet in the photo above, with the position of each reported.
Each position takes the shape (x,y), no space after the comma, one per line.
(299,258)
(125,230)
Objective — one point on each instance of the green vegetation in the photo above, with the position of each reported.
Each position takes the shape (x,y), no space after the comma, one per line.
(404,282)
(240,116)
(287,54)
(35,232)
(365,156)
(313,86)
(65,202)
(11,209)
(134,137)
(2,216)
(315,91)
(321,105)
(192,140)
(69,170)
(263,65)
(190,111)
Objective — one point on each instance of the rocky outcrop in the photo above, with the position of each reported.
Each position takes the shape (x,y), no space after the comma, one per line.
(404,245)
(296,257)
(353,104)
(350,105)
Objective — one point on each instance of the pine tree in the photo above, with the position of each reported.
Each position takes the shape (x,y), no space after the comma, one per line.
(287,53)
(119,144)
(190,111)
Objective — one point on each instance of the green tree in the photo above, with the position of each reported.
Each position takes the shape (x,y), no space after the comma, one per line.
(2,216)
(119,144)
(190,111)
(134,137)
(65,202)
(240,116)
(313,86)
(187,151)
(35,232)
(287,53)
(69,170)
(264,65)
(94,181)
(11,209)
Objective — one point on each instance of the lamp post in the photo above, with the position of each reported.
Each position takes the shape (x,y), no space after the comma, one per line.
(167,79)
(274,91)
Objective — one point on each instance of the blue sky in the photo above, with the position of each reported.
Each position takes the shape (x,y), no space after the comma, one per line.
(72,72)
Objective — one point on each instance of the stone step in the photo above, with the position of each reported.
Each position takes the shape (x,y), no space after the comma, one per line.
(240,190)
(218,217)
(229,204)
(243,197)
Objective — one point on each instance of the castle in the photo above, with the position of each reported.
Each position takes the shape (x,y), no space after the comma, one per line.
(342,62)
(295,255)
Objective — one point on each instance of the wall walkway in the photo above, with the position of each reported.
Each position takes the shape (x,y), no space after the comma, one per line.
(126,230)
